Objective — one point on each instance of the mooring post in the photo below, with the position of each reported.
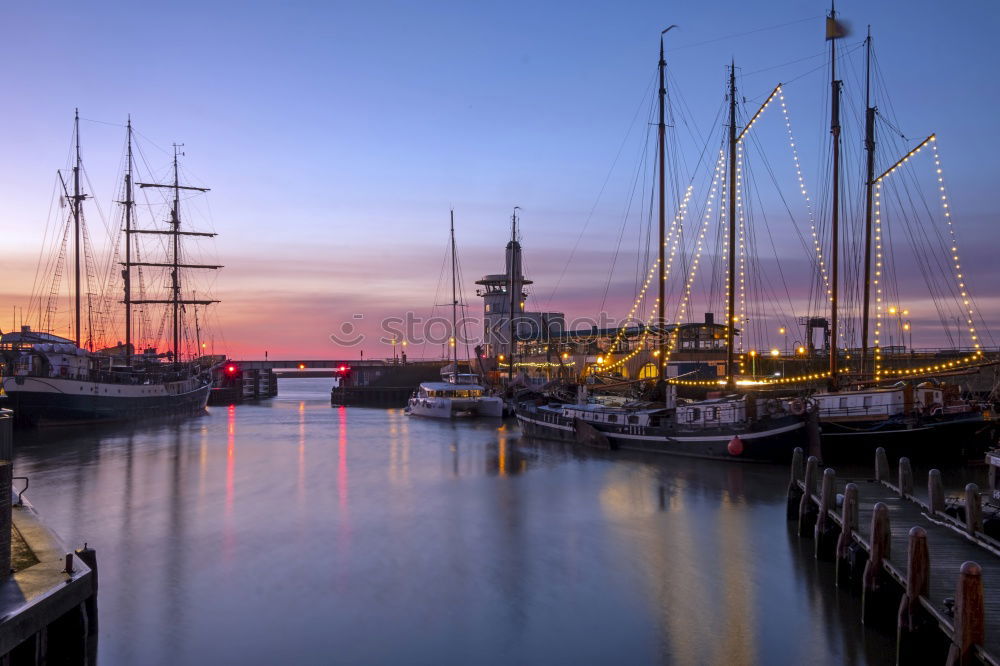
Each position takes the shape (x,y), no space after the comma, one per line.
(973,509)
(913,623)
(881,465)
(935,491)
(970,620)
(826,531)
(873,595)
(89,557)
(905,478)
(794,491)
(845,542)
(807,508)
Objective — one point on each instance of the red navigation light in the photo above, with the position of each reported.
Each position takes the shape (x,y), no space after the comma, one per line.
(231,369)
(343,368)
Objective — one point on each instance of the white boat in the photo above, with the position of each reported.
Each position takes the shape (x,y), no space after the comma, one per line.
(458,394)
(463,396)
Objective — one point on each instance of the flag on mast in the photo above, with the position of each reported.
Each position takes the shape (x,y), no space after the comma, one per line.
(835,29)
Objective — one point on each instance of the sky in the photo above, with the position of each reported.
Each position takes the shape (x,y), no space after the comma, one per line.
(337,136)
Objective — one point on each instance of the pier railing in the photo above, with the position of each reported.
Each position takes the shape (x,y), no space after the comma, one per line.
(936,599)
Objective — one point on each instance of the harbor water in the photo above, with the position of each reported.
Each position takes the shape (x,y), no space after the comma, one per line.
(290,531)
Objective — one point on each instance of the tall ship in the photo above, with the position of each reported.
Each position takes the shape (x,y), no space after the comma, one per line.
(727,425)
(50,379)
(864,383)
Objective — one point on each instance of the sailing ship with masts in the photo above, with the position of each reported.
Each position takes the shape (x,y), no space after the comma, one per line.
(729,426)
(863,397)
(881,403)
(50,379)
(458,394)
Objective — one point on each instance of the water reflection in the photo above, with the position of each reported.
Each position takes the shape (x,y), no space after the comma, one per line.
(375,537)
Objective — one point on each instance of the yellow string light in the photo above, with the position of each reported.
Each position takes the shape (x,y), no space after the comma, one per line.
(805,195)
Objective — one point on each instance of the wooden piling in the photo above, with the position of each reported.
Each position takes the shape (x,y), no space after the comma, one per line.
(89,557)
(881,465)
(970,616)
(826,531)
(905,478)
(935,491)
(845,542)
(875,580)
(794,491)
(973,509)
(914,627)
(807,508)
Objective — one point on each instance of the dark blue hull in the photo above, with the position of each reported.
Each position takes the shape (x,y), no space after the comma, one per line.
(41,409)
(958,436)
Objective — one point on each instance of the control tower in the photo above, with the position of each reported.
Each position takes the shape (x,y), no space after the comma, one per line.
(503,296)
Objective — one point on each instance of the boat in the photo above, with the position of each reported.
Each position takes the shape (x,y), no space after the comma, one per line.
(51,380)
(729,426)
(459,394)
(918,409)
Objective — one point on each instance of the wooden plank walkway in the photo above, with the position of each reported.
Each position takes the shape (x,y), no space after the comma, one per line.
(950,544)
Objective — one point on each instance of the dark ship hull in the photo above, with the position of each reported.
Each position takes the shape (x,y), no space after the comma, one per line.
(54,401)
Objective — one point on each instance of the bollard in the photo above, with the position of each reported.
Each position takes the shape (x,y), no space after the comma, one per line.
(969,615)
(881,465)
(935,491)
(794,492)
(973,509)
(914,627)
(89,557)
(807,508)
(849,518)
(6,517)
(874,583)
(826,531)
(905,478)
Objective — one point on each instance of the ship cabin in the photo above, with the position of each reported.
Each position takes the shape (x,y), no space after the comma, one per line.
(602,414)
(852,405)
(713,412)
(449,390)
(925,398)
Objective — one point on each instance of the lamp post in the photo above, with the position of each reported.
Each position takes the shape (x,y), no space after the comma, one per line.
(784,332)
(753,362)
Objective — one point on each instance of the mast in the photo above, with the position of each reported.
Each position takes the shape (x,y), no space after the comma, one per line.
(731,292)
(77,199)
(175,300)
(661,138)
(127,273)
(175,277)
(869,187)
(835,86)
(454,297)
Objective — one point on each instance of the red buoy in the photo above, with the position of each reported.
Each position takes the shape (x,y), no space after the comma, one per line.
(735,446)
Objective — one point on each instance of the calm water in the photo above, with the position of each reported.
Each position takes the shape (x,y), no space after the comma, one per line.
(293,532)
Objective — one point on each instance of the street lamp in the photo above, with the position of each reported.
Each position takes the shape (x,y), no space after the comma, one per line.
(753,362)
(784,332)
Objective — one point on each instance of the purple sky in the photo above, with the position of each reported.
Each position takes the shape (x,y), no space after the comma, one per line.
(336,136)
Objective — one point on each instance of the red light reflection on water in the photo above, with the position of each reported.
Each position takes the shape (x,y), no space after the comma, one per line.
(342,456)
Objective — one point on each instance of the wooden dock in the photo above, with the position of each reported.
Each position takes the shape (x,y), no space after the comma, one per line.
(937,579)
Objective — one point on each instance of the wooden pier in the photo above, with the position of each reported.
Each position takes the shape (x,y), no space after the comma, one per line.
(934,578)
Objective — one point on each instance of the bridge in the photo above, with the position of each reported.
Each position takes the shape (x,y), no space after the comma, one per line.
(357,372)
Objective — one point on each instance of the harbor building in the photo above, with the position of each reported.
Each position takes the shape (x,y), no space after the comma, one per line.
(504,312)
